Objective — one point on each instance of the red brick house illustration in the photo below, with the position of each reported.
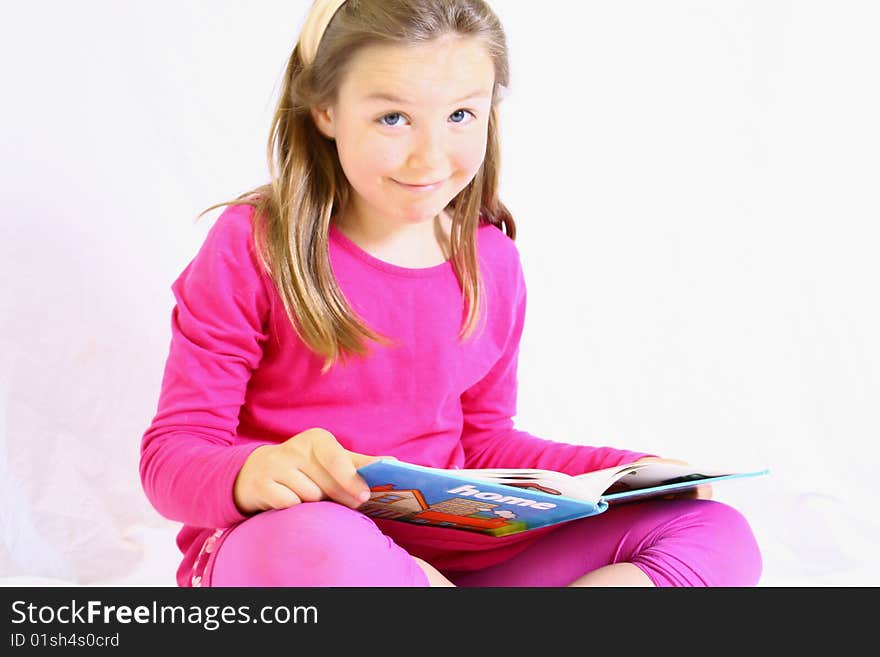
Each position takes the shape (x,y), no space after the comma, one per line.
(386,502)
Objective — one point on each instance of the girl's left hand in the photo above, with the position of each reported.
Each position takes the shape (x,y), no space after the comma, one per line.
(700,492)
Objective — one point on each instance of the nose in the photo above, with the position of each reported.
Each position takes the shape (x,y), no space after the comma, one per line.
(428,150)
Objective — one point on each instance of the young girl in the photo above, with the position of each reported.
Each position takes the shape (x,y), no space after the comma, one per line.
(369,302)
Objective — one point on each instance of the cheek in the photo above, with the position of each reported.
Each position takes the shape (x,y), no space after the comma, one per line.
(364,160)
(469,158)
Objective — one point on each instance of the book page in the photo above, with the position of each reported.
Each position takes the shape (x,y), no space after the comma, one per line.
(595,485)
(659,479)
(588,486)
(649,475)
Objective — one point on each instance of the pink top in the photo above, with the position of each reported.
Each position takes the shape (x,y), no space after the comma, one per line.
(237,377)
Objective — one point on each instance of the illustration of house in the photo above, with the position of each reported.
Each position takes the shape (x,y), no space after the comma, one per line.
(385,502)
(389,503)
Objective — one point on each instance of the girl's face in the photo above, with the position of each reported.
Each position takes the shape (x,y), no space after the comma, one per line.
(411,126)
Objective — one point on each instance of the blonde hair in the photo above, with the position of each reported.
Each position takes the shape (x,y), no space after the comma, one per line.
(307,184)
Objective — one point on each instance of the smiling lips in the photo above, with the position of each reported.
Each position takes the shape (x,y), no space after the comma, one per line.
(421,188)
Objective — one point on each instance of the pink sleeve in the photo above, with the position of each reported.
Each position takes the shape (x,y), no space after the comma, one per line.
(189,459)
(489,437)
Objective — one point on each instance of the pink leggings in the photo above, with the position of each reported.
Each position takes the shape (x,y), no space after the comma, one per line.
(675,542)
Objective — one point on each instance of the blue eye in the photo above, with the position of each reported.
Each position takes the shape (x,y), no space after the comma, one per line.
(381,121)
(386,116)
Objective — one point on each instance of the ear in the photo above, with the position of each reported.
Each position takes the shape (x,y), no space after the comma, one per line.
(323,117)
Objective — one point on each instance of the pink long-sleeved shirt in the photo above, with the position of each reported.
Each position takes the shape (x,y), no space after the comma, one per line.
(237,377)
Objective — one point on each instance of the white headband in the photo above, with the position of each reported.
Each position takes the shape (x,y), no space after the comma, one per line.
(319,17)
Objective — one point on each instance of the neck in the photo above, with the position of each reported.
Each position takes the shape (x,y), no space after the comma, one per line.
(421,244)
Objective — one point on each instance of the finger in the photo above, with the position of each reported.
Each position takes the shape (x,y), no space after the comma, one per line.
(335,473)
(301,484)
(279,496)
(327,463)
(688,494)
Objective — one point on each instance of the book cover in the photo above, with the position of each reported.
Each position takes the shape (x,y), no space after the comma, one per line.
(499,502)
(440,498)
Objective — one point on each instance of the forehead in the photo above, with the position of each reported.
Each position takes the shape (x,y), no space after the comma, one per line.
(426,71)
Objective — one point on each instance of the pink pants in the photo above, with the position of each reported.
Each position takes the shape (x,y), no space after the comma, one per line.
(675,542)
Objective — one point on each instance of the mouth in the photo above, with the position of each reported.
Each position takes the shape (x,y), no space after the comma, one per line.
(421,187)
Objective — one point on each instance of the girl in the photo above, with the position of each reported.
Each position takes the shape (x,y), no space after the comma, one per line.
(369,301)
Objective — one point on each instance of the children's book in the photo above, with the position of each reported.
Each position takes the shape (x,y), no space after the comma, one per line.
(499,501)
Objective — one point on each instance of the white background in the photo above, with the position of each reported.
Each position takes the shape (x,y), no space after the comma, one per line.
(695,186)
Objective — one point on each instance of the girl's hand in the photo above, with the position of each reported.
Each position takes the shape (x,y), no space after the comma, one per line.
(700,492)
(308,467)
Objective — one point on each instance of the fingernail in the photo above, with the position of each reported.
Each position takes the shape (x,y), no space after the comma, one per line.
(363,497)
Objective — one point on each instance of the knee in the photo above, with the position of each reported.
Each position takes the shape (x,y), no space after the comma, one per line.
(319,532)
(311,544)
(317,521)
(730,538)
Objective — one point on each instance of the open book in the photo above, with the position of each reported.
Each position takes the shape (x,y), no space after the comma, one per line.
(499,502)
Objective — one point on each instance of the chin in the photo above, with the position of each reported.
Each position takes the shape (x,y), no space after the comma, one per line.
(421,217)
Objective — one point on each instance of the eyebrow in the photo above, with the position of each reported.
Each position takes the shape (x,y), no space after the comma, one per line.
(391,98)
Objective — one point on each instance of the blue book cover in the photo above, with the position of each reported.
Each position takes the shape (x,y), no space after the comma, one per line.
(499,502)
(440,498)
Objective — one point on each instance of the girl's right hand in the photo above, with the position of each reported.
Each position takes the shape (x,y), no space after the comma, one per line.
(309,467)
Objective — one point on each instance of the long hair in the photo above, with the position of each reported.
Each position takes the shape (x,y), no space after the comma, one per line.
(307,184)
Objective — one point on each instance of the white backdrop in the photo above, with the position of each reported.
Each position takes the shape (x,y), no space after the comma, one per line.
(695,188)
